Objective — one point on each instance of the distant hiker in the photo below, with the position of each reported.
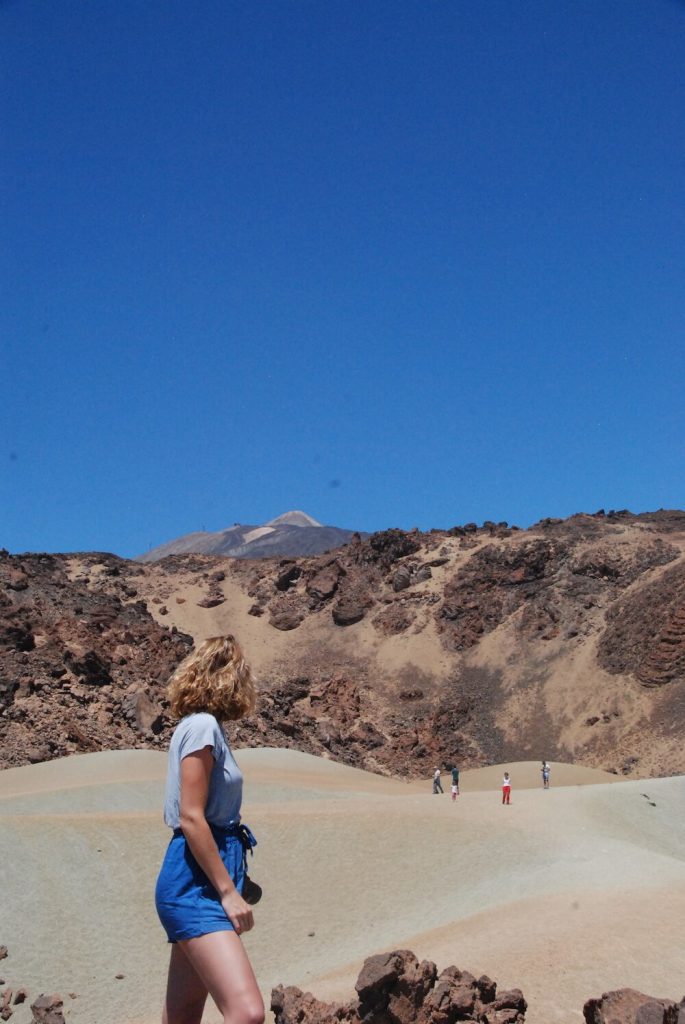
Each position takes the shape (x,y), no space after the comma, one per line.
(437,784)
(545,775)
(454,791)
(455,778)
(202,894)
(506,788)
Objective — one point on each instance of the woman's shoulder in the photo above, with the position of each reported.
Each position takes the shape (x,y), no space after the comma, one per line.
(199,722)
(197,730)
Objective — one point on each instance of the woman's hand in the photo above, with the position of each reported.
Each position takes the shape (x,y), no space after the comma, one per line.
(238,912)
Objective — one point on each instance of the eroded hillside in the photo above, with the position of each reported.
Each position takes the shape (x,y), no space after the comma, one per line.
(396,653)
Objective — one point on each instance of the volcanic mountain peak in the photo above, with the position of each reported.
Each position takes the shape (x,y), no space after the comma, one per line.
(293,518)
(291,535)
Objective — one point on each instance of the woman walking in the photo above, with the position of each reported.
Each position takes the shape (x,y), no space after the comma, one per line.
(198,894)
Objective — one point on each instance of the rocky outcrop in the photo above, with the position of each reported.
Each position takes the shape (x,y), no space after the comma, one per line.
(627,1006)
(286,612)
(394,988)
(331,718)
(354,600)
(396,624)
(645,632)
(385,548)
(83,668)
(48,1010)
(550,580)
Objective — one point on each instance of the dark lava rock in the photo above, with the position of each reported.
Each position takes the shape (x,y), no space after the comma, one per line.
(48,1009)
(286,620)
(212,601)
(645,632)
(346,613)
(92,667)
(394,988)
(324,583)
(63,695)
(288,577)
(627,1006)
(402,578)
(385,548)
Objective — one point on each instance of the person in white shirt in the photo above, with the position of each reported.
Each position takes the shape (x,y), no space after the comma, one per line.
(506,788)
(437,784)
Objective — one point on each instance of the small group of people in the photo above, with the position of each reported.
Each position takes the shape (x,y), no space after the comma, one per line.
(454,788)
(506,782)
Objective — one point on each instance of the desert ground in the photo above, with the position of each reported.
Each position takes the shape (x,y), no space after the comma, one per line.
(565,893)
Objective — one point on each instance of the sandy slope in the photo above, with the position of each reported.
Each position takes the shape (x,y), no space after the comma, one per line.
(565,893)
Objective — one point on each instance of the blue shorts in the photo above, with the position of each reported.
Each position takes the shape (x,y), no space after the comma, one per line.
(187,903)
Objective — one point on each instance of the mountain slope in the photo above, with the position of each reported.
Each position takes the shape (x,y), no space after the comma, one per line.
(395,653)
(291,534)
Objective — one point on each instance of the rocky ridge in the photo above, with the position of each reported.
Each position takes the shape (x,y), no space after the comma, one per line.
(396,652)
(394,988)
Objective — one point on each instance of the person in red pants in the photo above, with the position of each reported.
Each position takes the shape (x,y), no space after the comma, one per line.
(506,788)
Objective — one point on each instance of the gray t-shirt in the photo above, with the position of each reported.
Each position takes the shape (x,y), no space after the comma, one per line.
(194,732)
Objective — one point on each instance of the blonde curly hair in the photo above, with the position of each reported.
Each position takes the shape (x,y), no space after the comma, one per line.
(214,678)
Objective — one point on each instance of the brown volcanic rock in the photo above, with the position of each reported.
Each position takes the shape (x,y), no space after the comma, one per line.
(348,611)
(395,618)
(211,601)
(645,632)
(69,655)
(461,665)
(627,1006)
(353,602)
(286,613)
(394,988)
(48,1009)
(493,585)
(385,548)
(394,984)
(322,585)
(292,1006)
(322,718)
(552,578)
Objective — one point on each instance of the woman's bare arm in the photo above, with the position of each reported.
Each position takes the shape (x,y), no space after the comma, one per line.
(196,769)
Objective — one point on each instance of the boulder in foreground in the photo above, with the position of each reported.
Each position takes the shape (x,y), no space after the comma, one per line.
(627,1006)
(48,1010)
(394,988)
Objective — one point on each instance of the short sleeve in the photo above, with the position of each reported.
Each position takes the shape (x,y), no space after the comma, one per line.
(202,730)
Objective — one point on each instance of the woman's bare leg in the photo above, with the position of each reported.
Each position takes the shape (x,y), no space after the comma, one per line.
(220,960)
(186,993)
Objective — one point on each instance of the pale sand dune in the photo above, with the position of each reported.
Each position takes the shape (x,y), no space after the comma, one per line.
(565,893)
(527,775)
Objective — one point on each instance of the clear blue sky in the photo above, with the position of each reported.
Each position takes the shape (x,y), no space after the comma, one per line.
(393,263)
